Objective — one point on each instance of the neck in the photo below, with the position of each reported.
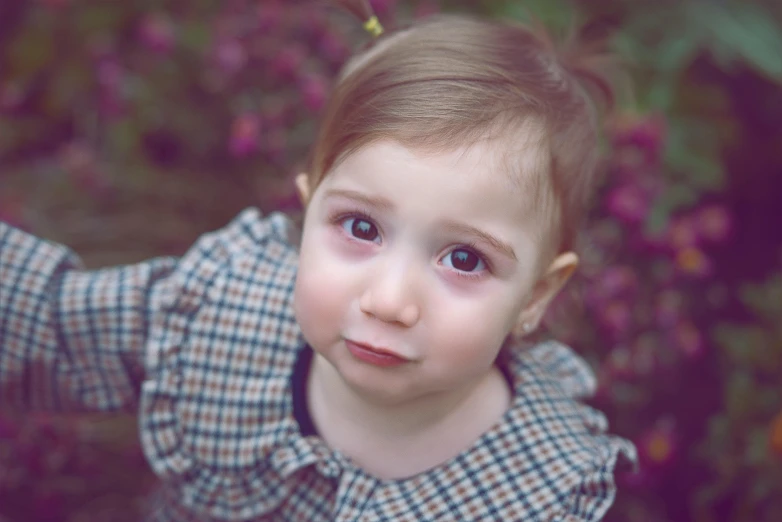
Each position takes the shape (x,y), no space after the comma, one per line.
(341,410)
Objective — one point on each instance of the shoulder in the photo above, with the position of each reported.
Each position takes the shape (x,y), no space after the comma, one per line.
(565,441)
(222,346)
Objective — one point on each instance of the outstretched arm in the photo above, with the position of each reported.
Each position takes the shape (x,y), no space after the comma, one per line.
(71,339)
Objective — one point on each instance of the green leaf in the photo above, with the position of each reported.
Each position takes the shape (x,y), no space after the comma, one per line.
(743,30)
(32,51)
(757,447)
(554,14)
(195,37)
(739,395)
(764,299)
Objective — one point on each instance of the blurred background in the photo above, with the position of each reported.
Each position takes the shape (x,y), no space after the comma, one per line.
(127,129)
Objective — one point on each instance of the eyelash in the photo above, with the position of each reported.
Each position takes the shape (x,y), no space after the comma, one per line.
(338,218)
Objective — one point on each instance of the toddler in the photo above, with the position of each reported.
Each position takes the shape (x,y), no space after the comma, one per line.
(374,369)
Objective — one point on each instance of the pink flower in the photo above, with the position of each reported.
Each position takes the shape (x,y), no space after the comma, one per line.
(230,55)
(270,14)
(84,169)
(617,279)
(110,76)
(109,73)
(313,26)
(628,202)
(156,32)
(646,133)
(682,232)
(333,48)
(714,223)
(616,317)
(245,132)
(314,91)
(688,339)
(287,64)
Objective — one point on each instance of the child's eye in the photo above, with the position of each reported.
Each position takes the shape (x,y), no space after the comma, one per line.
(464,260)
(361,228)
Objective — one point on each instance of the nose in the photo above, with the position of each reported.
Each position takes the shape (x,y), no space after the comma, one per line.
(390,296)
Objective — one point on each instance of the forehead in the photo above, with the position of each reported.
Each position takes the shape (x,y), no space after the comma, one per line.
(513,161)
(467,184)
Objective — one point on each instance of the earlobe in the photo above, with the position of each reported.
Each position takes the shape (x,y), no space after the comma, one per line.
(303,188)
(549,285)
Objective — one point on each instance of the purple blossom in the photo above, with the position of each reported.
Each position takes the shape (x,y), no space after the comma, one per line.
(628,202)
(616,280)
(270,15)
(616,318)
(333,48)
(230,55)
(688,339)
(313,90)
(156,32)
(646,133)
(713,223)
(287,64)
(81,164)
(110,77)
(245,132)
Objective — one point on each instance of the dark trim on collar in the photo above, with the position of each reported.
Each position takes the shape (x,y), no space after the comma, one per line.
(301,412)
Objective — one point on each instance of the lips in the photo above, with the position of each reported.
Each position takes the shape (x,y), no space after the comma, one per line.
(374,355)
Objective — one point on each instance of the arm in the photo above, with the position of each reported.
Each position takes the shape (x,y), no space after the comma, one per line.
(71,339)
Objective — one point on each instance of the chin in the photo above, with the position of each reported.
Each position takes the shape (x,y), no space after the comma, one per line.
(376,384)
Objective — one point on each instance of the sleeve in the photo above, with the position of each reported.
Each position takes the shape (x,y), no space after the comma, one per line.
(594,494)
(588,491)
(71,339)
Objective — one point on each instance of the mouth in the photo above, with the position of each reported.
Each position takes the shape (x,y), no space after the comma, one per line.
(374,355)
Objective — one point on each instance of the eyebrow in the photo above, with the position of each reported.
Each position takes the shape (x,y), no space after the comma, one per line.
(372,201)
(452,226)
(494,241)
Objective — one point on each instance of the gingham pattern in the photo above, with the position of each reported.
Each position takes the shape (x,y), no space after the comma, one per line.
(216,334)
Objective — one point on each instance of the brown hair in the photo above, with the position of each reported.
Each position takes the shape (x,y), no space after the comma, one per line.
(449,81)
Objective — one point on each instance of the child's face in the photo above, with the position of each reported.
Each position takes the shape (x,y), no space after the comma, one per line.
(428,256)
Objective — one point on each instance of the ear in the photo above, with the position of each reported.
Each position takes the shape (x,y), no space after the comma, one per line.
(303,188)
(544,291)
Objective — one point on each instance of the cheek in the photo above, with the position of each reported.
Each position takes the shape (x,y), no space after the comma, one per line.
(473,332)
(320,299)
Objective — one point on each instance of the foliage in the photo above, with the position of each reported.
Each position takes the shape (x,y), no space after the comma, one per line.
(129,128)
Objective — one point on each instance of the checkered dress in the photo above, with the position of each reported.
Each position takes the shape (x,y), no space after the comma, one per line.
(207,350)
